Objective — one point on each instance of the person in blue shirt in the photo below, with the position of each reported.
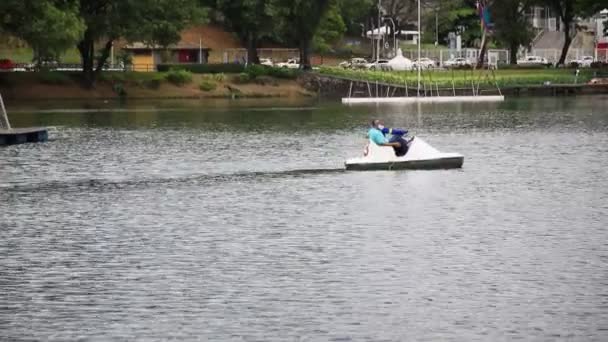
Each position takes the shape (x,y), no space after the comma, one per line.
(377,135)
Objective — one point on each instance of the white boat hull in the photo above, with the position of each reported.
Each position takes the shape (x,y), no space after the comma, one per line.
(420,156)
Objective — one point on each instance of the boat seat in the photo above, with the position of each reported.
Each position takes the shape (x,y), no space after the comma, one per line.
(376,152)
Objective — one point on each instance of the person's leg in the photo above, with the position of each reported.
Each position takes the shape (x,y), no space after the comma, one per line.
(403,145)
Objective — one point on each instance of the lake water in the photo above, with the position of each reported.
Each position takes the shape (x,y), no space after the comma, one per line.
(234,221)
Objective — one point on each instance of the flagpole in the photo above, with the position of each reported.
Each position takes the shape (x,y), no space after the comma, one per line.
(419,39)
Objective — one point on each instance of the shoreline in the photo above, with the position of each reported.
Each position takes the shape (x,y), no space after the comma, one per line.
(32,87)
(24,87)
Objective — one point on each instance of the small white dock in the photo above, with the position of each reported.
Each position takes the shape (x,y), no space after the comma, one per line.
(423,99)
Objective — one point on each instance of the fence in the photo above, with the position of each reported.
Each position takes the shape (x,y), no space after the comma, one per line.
(240,55)
(441,56)
(553,55)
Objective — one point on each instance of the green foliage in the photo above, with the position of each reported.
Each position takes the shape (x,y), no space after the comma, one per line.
(49,26)
(219,77)
(53,77)
(255,71)
(298,21)
(179,77)
(330,30)
(204,68)
(463,78)
(125,58)
(207,85)
(354,13)
(251,20)
(242,78)
(153,82)
(524,66)
(119,89)
(512,27)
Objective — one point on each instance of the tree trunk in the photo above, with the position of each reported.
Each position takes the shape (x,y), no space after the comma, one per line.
(482,49)
(105,53)
(513,47)
(252,49)
(305,54)
(567,42)
(86,47)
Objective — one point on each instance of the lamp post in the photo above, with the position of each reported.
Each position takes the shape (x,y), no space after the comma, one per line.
(419,40)
(436,26)
(378,37)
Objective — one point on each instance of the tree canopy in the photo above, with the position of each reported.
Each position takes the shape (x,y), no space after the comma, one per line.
(94,25)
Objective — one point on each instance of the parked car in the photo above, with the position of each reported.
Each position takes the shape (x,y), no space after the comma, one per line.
(457,62)
(533,60)
(266,61)
(6,65)
(377,65)
(291,63)
(584,62)
(354,63)
(425,63)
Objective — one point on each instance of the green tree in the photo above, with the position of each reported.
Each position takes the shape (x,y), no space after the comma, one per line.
(251,20)
(512,28)
(52,25)
(568,11)
(331,29)
(299,21)
(354,14)
(152,21)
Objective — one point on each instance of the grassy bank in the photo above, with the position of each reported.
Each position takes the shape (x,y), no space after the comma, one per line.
(464,78)
(171,84)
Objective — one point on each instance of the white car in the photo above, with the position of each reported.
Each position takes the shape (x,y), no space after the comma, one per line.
(266,61)
(425,63)
(354,63)
(291,63)
(533,60)
(379,64)
(584,62)
(456,62)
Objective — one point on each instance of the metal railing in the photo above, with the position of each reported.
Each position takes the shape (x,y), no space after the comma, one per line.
(4,123)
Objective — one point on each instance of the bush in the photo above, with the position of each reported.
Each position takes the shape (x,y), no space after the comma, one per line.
(525,66)
(266,80)
(153,83)
(53,77)
(219,77)
(179,77)
(255,71)
(599,65)
(207,85)
(204,68)
(242,78)
(119,89)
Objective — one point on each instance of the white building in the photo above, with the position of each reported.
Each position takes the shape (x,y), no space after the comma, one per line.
(600,25)
(543,18)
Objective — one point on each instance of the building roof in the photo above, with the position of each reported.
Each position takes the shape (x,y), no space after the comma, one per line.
(178,46)
(209,37)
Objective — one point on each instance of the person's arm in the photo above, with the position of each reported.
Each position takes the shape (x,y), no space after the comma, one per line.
(393,144)
(394,131)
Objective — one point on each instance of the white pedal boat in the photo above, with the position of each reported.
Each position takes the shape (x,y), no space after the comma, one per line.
(420,156)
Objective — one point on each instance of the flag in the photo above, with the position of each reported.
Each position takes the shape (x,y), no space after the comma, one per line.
(484,15)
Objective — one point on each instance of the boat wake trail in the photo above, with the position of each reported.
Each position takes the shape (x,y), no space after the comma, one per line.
(78,185)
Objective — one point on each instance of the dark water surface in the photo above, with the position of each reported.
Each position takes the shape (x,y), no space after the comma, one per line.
(233,221)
